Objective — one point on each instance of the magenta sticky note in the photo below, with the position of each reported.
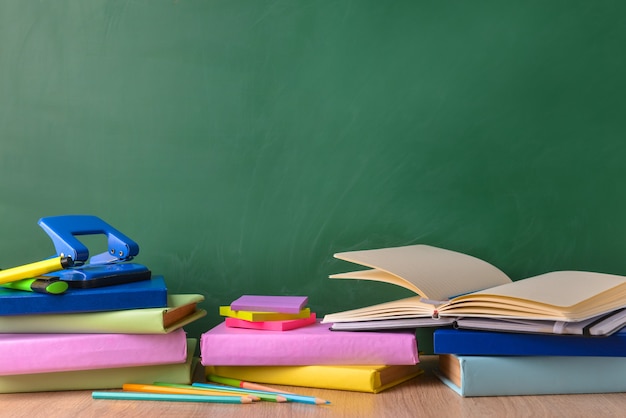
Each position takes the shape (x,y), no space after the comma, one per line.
(285,325)
(260,303)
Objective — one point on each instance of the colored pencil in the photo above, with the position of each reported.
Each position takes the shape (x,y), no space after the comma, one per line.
(241,384)
(264,396)
(291,397)
(132,387)
(143,396)
(256,387)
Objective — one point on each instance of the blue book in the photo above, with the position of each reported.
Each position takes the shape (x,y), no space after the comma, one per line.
(491,343)
(151,293)
(531,375)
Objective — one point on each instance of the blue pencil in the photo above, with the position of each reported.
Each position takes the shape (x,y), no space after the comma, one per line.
(142,396)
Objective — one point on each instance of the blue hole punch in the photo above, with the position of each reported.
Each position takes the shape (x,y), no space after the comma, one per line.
(103,269)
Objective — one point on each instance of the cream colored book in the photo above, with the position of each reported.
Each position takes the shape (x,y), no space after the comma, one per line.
(453,284)
(182,309)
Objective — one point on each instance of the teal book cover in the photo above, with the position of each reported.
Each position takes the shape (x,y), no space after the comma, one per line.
(531,375)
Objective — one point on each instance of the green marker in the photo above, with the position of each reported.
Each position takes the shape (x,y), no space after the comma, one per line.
(41,284)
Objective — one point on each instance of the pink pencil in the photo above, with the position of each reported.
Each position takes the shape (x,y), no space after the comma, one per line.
(254,386)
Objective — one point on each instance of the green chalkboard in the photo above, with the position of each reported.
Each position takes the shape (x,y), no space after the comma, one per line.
(242,143)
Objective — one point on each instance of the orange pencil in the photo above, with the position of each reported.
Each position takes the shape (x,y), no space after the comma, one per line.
(256,387)
(262,395)
(133,387)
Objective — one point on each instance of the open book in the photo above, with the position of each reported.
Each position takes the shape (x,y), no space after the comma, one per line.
(451,285)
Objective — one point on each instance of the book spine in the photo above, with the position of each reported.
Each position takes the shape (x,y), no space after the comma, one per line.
(540,375)
(46,353)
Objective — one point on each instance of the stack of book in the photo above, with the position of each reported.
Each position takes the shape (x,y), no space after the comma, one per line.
(555,333)
(95,338)
(491,363)
(277,340)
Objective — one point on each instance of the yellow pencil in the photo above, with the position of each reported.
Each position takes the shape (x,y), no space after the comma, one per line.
(28,271)
(133,387)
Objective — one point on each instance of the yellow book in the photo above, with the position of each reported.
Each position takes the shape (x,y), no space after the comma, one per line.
(371,379)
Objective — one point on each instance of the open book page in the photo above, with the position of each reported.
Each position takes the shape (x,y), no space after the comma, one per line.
(434,273)
(411,307)
(567,295)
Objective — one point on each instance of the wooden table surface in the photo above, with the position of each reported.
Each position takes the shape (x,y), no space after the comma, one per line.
(424,396)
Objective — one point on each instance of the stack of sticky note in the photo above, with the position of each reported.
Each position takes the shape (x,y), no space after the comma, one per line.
(271,313)
(277,340)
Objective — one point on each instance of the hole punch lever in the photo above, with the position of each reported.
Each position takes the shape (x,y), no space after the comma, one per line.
(64,229)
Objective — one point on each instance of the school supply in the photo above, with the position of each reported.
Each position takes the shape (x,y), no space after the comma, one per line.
(285,325)
(181,310)
(531,375)
(601,325)
(491,343)
(41,284)
(38,268)
(271,313)
(367,378)
(452,284)
(262,303)
(247,387)
(105,269)
(142,294)
(141,396)
(47,353)
(107,378)
(146,388)
(263,396)
(313,344)
(263,316)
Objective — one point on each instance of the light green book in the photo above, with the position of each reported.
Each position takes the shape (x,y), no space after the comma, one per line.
(181,310)
(112,378)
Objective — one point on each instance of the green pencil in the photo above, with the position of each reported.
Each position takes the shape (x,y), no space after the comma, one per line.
(291,397)
(264,396)
(142,396)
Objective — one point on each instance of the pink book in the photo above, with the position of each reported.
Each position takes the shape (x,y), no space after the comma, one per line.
(261,303)
(44,353)
(315,344)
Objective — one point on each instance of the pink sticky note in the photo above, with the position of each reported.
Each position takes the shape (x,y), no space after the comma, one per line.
(259,303)
(285,325)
